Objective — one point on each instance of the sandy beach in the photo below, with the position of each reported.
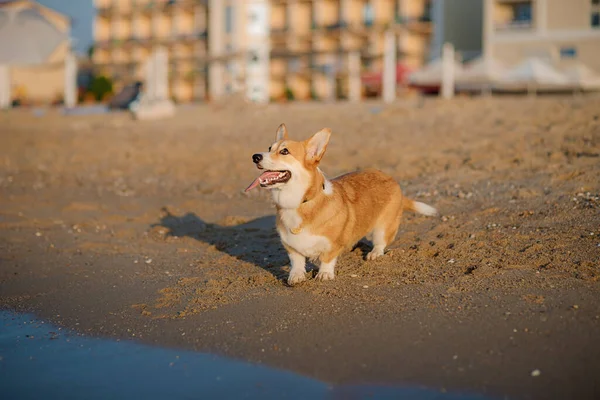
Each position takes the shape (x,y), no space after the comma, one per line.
(141,230)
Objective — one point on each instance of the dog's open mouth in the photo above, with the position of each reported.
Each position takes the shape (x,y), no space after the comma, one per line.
(269,178)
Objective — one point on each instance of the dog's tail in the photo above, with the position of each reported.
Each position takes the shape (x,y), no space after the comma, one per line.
(418,207)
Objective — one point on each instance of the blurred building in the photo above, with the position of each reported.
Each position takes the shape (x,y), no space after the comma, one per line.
(126,31)
(310,37)
(558,31)
(216,46)
(34,46)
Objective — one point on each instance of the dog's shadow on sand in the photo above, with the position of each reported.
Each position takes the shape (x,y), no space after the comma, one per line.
(255,241)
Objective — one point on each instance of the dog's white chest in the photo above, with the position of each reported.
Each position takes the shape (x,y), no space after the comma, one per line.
(304,242)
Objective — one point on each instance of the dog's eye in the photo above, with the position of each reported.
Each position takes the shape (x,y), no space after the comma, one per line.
(269,148)
(284,152)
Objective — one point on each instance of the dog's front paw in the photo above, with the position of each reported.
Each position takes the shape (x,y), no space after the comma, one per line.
(374,254)
(296,277)
(325,276)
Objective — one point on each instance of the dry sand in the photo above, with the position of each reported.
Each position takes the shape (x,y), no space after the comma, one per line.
(141,230)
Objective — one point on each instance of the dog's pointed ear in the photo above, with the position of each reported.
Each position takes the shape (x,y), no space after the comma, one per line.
(281,133)
(316,145)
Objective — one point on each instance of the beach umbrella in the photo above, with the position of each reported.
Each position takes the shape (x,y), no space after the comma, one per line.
(533,73)
(582,77)
(431,74)
(481,71)
(27,37)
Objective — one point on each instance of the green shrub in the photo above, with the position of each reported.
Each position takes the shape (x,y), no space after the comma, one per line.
(100,87)
(289,94)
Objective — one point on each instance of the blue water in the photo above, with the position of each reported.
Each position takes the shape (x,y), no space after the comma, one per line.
(41,361)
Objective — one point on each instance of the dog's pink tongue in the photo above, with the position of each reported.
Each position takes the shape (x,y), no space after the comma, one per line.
(264,175)
(254,184)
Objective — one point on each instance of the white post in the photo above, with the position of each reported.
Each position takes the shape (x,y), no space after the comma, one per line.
(70,96)
(216,27)
(389,67)
(161,74)
(258,51)
(154,102)
(149,87)
(447,91)
(5,95)
(354,83)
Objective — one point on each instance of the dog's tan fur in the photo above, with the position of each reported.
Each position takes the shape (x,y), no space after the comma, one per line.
(322,218)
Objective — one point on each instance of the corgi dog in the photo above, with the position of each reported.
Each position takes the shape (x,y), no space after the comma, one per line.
(318,218)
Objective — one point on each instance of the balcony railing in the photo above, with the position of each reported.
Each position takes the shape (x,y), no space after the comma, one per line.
(515,25)
(148,7)
(402,20)
(115,42)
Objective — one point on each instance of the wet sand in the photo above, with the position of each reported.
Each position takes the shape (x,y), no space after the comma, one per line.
(40,360)
(141,230)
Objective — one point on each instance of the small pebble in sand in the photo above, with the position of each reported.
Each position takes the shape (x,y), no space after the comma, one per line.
(575,307)
(354,276)
(148,261)
(451,261)
(135,261)
(365,287)
(536,372)
(38,234)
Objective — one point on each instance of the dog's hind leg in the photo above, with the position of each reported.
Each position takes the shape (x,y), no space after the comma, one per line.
(379,243)
(385,231)
(327,266)
(326,270)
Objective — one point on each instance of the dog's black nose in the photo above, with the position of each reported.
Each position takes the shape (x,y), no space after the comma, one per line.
(257,158)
